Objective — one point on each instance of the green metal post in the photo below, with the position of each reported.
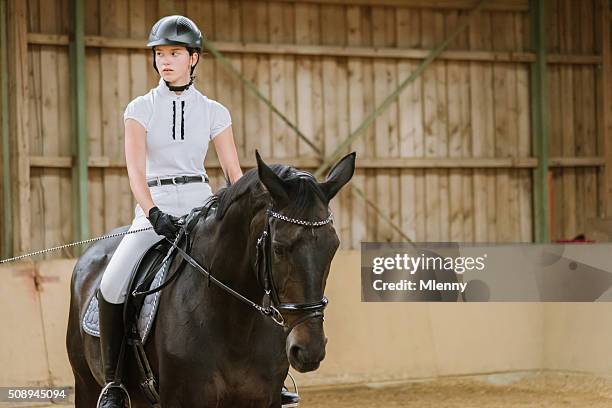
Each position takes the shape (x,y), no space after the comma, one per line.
(7,232)
(539,119)
(79,139)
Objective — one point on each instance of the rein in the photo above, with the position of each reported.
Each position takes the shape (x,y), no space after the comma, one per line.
(271,306)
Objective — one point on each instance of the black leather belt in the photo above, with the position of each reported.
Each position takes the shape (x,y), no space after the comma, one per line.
(178,180)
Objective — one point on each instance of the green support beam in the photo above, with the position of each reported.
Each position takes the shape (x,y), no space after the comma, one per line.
(539,119)
(7,216)
(79,139)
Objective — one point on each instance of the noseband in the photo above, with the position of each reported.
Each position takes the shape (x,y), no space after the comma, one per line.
(271,305)
(263,265)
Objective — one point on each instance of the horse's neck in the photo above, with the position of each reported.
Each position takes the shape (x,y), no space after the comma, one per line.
(224,247)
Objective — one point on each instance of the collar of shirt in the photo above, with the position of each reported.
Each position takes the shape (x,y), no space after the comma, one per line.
(163,90)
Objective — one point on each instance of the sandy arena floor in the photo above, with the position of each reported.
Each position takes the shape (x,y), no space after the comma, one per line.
(550,391)
(545,391)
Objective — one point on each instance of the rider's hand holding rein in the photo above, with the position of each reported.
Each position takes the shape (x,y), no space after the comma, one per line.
(164,224)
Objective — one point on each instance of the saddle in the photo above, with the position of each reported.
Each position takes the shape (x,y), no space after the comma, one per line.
(150,275)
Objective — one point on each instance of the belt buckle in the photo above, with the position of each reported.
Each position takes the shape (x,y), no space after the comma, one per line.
(181,179)
(158,181)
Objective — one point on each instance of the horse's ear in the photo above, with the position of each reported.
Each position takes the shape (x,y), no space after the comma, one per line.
(339,175)
(273,183)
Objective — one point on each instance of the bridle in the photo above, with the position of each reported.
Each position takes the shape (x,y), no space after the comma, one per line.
(263,265)
(271,305)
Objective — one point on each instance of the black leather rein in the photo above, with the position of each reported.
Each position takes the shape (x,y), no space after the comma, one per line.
(271,305)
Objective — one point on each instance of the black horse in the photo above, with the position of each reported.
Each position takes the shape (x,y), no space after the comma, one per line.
(209,348)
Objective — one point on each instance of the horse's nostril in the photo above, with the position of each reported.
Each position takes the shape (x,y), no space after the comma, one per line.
(296,353)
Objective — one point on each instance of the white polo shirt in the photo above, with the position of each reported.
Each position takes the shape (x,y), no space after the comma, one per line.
(178,128)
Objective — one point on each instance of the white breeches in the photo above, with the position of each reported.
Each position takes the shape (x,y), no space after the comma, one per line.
(177,200)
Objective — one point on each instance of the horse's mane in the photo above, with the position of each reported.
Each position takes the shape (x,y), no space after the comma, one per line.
(303,190)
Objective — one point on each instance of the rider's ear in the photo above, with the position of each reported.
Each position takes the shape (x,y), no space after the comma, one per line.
(339,175)
(273,183)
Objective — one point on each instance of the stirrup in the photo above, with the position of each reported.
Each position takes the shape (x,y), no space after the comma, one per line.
(297,392)
(114,385)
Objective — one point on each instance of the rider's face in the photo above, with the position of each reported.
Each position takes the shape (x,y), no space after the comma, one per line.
(174,63)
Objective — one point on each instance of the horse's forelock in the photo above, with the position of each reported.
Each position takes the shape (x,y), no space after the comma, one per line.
(302,185)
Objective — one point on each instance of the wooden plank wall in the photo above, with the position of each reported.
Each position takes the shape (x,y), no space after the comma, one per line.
(573,116)
(456,109)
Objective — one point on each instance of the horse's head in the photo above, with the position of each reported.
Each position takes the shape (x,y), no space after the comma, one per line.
(301,243)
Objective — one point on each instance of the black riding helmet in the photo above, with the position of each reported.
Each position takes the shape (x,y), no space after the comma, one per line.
(176,30)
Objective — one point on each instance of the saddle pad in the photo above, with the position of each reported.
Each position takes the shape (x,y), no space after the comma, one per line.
(91,321)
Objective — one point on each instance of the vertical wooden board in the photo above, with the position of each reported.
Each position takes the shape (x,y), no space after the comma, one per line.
(250,101)
(65,210)
(257,69)
(567,123)
(137,61)
(589,195)
(335,109)
(465,126)
(367,66)
(290,108)
(441,126)
(92,17)
(524,136)
(280,131)
(206,73)
(110,104)
(304,78)
(419,205)
(359,210)
(355,77)
(488,143)
(430,125)
(317,80)
(556,226)
(513,208)
(407,198)
(50,178)
(455,140)
(236,88)
(342,132)
(393,124)
(381,125)
(263,78)
(124,93)
(223,78)
(356,115)
(33,16)
(94,133)
(503,145)
(35,131)
(410,125)
(555,150)
(479,115)
(371,215)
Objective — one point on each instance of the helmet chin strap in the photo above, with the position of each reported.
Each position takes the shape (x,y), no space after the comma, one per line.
(179,88)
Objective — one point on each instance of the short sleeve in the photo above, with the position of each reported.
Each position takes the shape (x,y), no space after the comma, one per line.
(140,110)
(220,119)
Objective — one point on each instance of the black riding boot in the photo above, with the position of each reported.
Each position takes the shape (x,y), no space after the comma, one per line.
(111,336)
(289,399)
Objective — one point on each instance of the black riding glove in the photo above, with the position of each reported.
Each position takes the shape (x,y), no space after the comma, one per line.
(163,223)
